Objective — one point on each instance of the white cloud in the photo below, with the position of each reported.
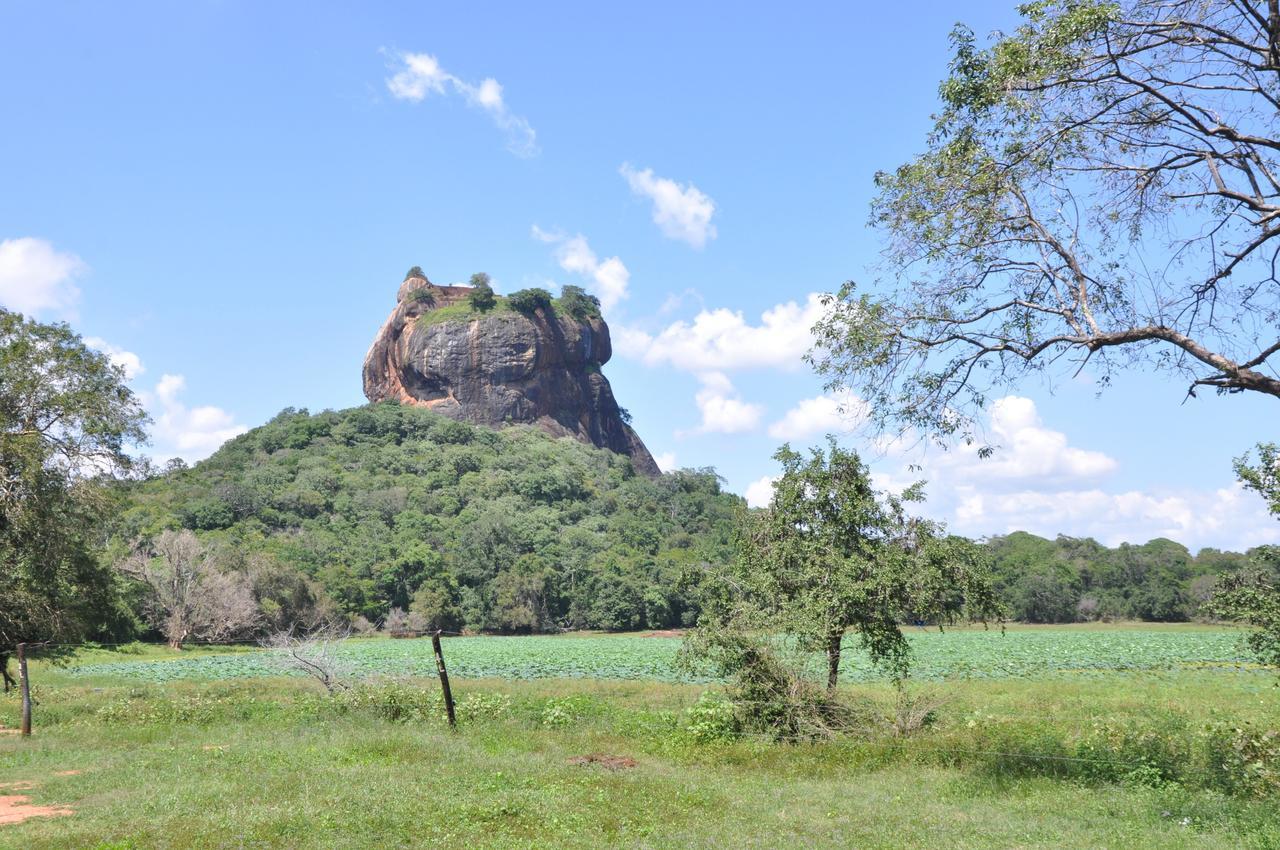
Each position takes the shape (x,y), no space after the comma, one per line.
(1026,452)
(1037,481)
(1226,517)
(420,75)
(36,279)
(681,212)
(127,360)
(607,279)
(666,461)
(825,414)
(760,492)
(192,433)
(723,412)
(722,339)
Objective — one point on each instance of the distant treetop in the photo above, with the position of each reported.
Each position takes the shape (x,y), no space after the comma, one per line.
(416,271)
(481,296)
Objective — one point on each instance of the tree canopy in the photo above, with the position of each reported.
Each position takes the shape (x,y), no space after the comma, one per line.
(390,507)
(1101,190)
(831,553)
(67,422)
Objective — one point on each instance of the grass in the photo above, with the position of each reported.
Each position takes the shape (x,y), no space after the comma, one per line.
(462,311)
(272,762)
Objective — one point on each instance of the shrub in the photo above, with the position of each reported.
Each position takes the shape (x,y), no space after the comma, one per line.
(712,718)
(770,696)
(423,295)
(529,300)
(1242,760)
(394,701)
(483,706)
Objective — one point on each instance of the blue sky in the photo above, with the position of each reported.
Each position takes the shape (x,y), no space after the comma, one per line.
(227,194)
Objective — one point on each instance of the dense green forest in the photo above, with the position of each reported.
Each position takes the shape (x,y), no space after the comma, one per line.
(1078,579)
(361,512)
(387,507)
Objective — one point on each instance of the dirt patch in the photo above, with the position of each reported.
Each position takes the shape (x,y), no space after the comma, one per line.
(608,762)
(68,772)
(21,785)
(665,633)
(15,808)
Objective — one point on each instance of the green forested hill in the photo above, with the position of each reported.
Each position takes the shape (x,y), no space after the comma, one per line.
(384,506)
(362,511)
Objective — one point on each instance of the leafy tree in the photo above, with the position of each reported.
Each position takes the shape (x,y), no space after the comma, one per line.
(1100,190)
(67,421)
(575,301)
(415,271)
(1253,594)
(481,295)
(528,300)
(1262,477)
(830,554)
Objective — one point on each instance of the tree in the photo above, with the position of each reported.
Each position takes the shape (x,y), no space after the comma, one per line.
(1263,477)
(312,652)
(187,596)
(1252,596)
(481,295)
(529,300)
(1253,593)
(830,553)
(575,301)
(1101,189)
(415,271)
(67,422)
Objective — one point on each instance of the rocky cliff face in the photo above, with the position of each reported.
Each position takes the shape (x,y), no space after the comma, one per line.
(500,368)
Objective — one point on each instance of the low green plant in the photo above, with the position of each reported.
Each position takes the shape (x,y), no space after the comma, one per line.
(713,718)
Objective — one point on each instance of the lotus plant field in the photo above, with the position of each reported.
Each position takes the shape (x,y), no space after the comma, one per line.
(953,654)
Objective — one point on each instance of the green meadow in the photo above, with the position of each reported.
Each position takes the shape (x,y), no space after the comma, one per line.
(1034,737)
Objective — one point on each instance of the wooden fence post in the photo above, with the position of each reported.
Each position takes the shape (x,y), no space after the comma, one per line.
(24,684)
(444,678)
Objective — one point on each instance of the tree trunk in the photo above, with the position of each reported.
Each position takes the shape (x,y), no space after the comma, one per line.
(833,659)
(175,641)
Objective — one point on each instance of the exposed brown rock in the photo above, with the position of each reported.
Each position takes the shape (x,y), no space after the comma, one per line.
(501,368)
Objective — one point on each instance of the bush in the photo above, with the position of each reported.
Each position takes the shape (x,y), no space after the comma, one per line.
(712,718)
(394,701)
(528,300)
(423,295)
(1242,760)
(770,697)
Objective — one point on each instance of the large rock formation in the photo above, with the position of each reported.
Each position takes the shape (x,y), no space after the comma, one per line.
(500,368)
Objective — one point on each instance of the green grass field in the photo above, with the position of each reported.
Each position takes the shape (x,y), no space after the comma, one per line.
(1079,737)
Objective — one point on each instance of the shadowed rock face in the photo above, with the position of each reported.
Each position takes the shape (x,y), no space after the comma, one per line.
(501,368)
